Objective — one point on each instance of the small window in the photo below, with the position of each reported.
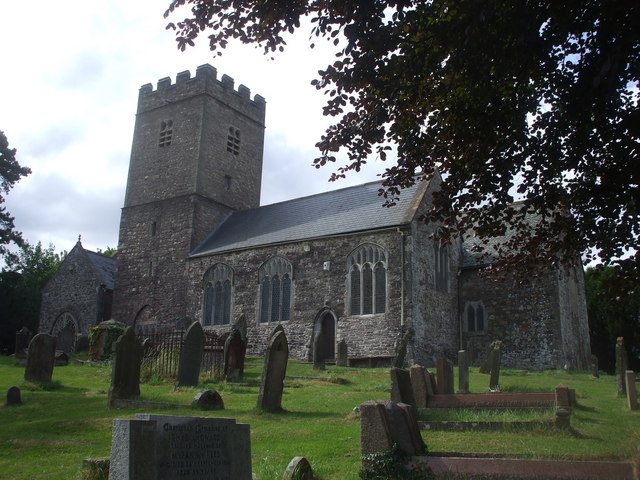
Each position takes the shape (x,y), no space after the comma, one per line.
(475,317)
(154,228)
(166,133)
(227,183)
(441,267)
(233,141)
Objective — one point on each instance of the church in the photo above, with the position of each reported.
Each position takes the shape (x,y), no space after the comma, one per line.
(196,245)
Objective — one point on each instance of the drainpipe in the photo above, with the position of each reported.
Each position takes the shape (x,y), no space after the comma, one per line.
(401,279)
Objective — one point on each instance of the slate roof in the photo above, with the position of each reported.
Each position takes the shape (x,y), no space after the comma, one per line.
(105,266)
(348,210)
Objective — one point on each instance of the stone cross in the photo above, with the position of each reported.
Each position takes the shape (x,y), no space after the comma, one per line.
(342,359)
(191,356)
(40,358)
(632,396)
(125,372)
(463,372)
(273,372)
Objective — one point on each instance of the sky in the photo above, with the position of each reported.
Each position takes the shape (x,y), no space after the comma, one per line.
(71,71)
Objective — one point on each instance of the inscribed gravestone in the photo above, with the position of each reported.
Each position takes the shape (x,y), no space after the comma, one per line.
(318,351)
(463,372)
(235,349)
(273,372)
(342,359)
(191,356)
(40,358)
(125,373)
(13,396)
(164,447)
(401,389)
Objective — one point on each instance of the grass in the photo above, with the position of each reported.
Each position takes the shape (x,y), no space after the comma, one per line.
(55,429)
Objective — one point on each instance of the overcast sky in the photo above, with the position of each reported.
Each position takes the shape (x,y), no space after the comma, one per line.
(71,71)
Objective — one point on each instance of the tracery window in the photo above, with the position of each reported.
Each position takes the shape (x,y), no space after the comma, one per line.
(475,317)
(233,141)
(275,278)
(218,283)
(367,280)
(441,267)
(166,133)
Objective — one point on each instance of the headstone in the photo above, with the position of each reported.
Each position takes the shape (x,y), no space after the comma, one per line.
(494,378)
(235,349)
(621,366)
(40,358)
(342,359)
(595,369)
(318,353)
(23,337)
(463,372)
(562,419)
(208,400)
(191,356)
(432,387)
(273,372)
(384,423)
(563,397)
(401,349)
(632,396)
(61,359)
(82,343)
(152,447)
(13,396)
(418,376)
(299,468)
(485,366)
(444,369)
(125,372)
(401,389)
(241,326)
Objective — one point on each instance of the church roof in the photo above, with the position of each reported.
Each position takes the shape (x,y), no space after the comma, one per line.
(105,267)
(348,210)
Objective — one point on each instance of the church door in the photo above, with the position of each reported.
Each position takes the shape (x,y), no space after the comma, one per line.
(328,326)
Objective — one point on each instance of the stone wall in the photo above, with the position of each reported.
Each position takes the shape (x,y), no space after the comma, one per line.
(574,324)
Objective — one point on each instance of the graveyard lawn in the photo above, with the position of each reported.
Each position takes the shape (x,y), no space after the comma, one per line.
(49,435)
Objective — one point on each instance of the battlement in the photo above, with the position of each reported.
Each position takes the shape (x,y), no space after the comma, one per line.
(204,82)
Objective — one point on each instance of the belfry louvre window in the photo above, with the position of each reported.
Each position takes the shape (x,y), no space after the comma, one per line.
(367,280)
(233,141)
(217,295)
(275,277)
(441,267)
(166,133)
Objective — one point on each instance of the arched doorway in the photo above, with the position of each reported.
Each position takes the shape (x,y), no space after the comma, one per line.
(65,330)
(326,324)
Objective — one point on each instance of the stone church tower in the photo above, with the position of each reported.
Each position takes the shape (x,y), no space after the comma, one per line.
(196,157)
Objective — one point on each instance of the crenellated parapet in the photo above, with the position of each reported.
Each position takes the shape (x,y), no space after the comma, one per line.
(205,82)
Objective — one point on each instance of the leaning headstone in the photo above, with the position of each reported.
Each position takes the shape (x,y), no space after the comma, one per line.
(23,337)
(299,468)
(151,447)
(342,359)
(595,369)
(235,349)
(418,376)
(401,349)
(318,351)
(273,372)
(632,396)
(40,358)
(125,372)
(621,366)
(494,378)
(13,397)
(463,372)
(191,356)
(444,369)
(208,400)
(401,389)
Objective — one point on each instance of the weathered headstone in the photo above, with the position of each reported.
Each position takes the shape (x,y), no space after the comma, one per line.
(432,387)
(299,468)
(401,349)
(342,359)
(273,372)
(40,358)
(485,366)
(595,369)
(621,366)
(418,376)
(125,372)
(563,397)
(562,419)
(82,343)
(401,389)
(23,337)
(151,447)
(208,400)
(494,378)
(235,349)
(318,351)
(13,396)
(463,372)
(632,396)
(444,374)
(61,358)
(191,356)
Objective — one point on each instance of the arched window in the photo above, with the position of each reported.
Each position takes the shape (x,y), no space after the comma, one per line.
(275,290)
(217,295)
(441,267)
(367,280)
(475,314)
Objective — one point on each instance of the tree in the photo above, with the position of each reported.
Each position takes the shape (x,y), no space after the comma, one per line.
(107,252)
(21,283)
(524,100)
(10,173)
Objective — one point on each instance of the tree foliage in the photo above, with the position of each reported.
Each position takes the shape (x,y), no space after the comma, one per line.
(10,173)
(524,100)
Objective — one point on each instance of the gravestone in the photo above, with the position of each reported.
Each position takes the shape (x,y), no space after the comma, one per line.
(463,372)
(13,397)
(208,400)
(595,369)
(632,396)
(125,372)
(235,349)
(418,376)
(562,419)
(401,349)
(318,351)
(40,358)
(432,387)
(621,366)
(444,369)
(82,343)
(273,372)
(342,359)
(563,397)
(61,358)
(191,356)
(23,337)
(494,378)
(299,468)
(164,447)
(401,389)
(485,366)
